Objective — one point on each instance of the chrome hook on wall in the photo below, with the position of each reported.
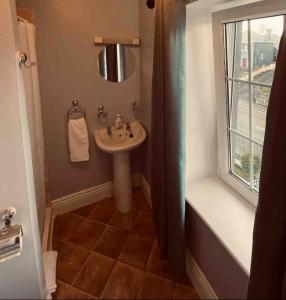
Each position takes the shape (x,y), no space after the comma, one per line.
(22,59)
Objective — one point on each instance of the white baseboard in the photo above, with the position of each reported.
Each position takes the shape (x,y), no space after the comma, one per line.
(47,230)
(197,277)
(89,196)
(83,198)
(80,199)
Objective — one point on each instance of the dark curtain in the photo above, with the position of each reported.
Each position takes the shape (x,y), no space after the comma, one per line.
(267,276)
(111,61)
(168,131)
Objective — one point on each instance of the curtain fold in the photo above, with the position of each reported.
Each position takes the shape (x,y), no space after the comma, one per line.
(268,273)
(168,131)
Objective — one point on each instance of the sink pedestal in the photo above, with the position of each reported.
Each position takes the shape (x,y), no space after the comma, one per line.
(122,181)
(119,143)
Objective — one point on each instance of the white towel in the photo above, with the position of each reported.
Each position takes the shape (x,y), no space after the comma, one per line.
(50,264)
(78,140)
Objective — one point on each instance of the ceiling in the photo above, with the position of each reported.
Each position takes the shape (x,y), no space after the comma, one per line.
(220,4)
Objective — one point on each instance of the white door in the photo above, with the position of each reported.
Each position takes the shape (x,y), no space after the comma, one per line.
(20,277)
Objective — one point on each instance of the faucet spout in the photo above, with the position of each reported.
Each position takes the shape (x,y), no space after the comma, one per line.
(109,131)
(129,130)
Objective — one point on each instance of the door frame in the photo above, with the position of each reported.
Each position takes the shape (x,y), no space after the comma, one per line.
(22,277)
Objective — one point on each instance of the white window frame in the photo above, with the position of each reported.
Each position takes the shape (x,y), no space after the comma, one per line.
(257,10)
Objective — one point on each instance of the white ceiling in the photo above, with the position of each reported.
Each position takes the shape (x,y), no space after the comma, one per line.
(220,4)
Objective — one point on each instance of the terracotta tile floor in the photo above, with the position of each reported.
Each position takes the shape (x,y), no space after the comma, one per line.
(108,255)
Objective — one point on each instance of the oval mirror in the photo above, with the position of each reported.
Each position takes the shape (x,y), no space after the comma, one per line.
(116,62)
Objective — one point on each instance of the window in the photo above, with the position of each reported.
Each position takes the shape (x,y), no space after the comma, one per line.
(251,49)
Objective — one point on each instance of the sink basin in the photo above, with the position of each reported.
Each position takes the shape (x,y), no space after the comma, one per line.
(119,145)
(120,141)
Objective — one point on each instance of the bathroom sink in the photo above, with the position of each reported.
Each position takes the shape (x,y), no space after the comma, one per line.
(119,144)
(120,141)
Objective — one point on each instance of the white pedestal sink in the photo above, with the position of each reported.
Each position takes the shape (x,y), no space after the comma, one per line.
(119,144)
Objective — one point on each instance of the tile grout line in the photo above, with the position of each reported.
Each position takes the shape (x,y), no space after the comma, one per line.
(118,259)
(81,268)
(103,232)
(92,252)
(68,288)
(115,261)
(66,292)
(85,261)
(123,247)
(129,266)
(150,255)
(141,284)
(75,233)
(108,226)
(117,226)
(84,292)
(54,234)
(94,208)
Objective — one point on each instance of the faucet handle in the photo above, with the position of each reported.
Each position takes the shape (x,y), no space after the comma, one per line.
(101,112)
(134,105)
(129,130)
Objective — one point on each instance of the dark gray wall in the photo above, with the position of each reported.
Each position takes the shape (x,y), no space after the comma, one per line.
(68,70)
(221,270)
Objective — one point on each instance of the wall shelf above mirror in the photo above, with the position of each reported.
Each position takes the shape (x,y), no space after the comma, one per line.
(99,40)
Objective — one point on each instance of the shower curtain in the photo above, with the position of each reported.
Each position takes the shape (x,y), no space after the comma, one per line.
(168,131)
(268,267)
(27,40)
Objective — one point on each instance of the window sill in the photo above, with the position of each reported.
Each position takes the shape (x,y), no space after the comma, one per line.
(227,214)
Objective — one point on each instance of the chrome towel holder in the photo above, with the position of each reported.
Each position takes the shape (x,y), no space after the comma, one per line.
(76,112)
(23,58)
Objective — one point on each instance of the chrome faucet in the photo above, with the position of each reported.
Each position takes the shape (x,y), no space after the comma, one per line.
(109,131)
(129,130)
(101,112)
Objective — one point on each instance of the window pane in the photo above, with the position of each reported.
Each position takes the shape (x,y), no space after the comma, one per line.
(265,38)
(260,105)
(237,50)
(239,106)
(257,159)
(240,156)
(251,50)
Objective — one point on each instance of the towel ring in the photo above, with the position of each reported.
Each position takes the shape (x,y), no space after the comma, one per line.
(23,58)
(76,112)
